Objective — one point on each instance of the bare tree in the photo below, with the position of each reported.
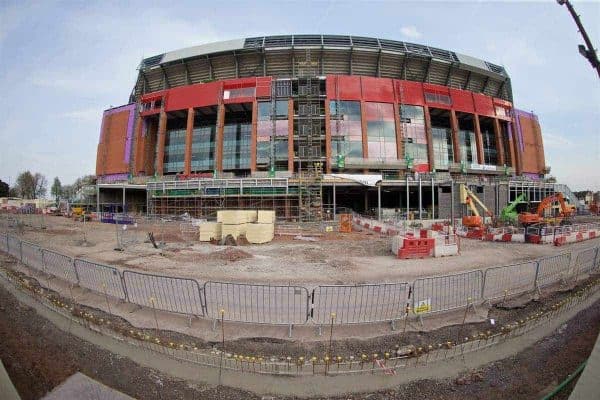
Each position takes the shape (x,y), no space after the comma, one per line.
(31,186)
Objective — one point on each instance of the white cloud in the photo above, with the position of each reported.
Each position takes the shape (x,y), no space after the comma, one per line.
(552,140)
(92,114)
(410,32)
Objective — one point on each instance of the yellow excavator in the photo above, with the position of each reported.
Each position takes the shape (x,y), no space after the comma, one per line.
(469,198)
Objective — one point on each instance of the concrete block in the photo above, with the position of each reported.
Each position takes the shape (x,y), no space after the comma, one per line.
(260,233)
(445,250)
(266,217)
(209,231)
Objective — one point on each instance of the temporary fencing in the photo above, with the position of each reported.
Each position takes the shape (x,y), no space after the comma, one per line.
(14,247)
(4,242)
(552,269)
(587,260)
(100,278)
(448,292)
(509,280)
(59,265)
(292,305)
(358,304)
(31,255)
(178,295)
(260,304)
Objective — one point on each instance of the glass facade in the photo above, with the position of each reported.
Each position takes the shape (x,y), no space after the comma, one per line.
(443,151)
(346,129)
(265,138)
(505,142)
(381,131)
(490,153)
(174,151)
(203,147)
(412,119)
(236,145)
(468,147)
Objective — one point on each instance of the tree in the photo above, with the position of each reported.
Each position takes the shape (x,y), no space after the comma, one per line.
(56,189)
(3,189)
(31,186)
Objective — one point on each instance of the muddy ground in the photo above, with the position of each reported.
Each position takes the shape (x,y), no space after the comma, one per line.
(38,357)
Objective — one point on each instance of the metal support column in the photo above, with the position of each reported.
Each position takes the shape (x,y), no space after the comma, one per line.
(407,199)
(123,198)
(379,202)
(334,201)
(432,198)
(452,202)
(420,199)
(97,197)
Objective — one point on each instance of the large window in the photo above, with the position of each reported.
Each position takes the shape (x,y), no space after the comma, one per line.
(381,131)
(506,142)
(466,138)
(174,151)
(203,147)
(490,152)
(441,132)
(346,129)
(412,119)
(271,135)
(236,136)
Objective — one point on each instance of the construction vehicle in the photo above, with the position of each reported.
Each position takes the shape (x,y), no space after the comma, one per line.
(469,198)
(527,218)
(509,214)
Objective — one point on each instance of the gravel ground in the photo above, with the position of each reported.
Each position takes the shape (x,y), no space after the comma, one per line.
(38,357)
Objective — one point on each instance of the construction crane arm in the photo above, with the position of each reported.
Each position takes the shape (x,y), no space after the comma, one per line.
(547,202)
(472,196)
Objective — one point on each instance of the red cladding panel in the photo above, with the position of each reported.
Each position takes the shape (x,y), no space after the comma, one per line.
(462,100)
(377,89)
(348,87)
(239,83)
(410,93)
(429,87)
(199,95)
(484,105)
(263,86)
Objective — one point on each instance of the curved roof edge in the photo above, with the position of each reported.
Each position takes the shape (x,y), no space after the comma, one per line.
(340,42)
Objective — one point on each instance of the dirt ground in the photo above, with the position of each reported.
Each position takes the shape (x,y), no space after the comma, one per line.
(333,258)
(38,357)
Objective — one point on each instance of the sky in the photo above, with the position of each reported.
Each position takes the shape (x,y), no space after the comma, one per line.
(63,63)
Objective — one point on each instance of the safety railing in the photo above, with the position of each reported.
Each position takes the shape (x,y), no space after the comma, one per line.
(292,305)
(359,304)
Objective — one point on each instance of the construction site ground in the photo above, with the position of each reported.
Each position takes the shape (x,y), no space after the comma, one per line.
(38,356)
(332,258)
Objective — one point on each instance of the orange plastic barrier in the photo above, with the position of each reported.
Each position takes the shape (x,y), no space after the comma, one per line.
(417,248)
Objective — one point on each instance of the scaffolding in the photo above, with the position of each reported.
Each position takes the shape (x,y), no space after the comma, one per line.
(310,140)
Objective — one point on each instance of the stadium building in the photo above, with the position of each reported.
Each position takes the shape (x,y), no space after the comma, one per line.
(312,124)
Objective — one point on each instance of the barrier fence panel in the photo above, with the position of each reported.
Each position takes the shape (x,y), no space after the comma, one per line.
(100,278)
(179,295)
(4,242)
(509,280)
(59,265)
(586,261)
(32,256)
(551,269)
(355,304)
(441,293)
(262,304)
(14,247)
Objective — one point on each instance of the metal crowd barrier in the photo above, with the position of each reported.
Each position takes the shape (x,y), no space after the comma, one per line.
(359,304)
(587,260)
(447,292)
(552,269)
(509,280)
(178,295)
(261,304)
(292,305)
(100,278)
(59,265)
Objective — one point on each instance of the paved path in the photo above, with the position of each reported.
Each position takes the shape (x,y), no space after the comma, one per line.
(589,382)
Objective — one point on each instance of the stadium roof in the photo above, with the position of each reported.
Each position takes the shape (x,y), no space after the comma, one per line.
(278,56)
